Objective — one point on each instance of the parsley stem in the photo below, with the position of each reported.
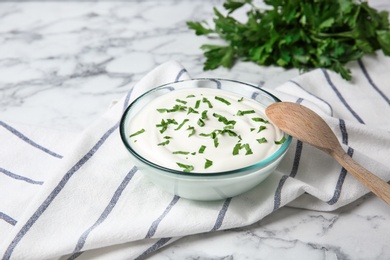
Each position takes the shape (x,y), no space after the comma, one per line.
(222,100)
(137,133)
(185,167)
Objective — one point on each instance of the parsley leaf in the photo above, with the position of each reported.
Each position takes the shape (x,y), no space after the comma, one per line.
(137,133)
(208,163)
(185,167)
(296,34)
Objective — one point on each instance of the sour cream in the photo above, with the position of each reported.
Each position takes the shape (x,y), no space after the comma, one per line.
(204,130)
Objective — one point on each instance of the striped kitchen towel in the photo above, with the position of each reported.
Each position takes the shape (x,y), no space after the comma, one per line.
(68,196)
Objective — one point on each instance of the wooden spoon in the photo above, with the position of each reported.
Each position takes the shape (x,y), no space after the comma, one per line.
(305,125)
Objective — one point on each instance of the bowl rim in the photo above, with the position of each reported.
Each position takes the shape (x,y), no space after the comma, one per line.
(266,161)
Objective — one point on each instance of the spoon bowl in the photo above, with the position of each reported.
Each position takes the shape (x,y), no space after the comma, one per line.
(307,126)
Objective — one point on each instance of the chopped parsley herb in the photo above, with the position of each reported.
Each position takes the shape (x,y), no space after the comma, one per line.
(181,101)
(191,110)
(205,100)
(224,119)
(176,108)
(241,99)
(137,133)
(182,123)
(259,119)
(201,149)
(200,122)
(163,143)
(261,128)
(204,114)
(245,112)
(236,149)
(222,100)
(190,96)
(220,117)
(229,132)
(248,149)
(197,104)
(216,143)
(252,129)
(261,140)
(162,110)
(192,129)
(281,140)
(213,134)
(239,146)
(186,167)
(208,163)
(180,152)
(164,124)
(171,121)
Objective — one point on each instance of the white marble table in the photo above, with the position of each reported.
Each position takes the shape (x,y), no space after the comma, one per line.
(63,62)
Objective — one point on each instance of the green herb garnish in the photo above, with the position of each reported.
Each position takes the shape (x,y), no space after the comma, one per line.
(180,152)
(224,119)
(197,104)
(208,163)
(200,122)
(205,100)
(259,119)
(162,110)
(236,149)
(241,99)
(296,34)
(261,140)
(247,149)
(201,149)
(239,146)
(261,128)
(204,114)
(216,143)
(192,129)
(213,134)
(222,100)
(281,140)
(163,143)
(190,96)
(175,108)
(164,124)
(186,167)
(182,123)
(191,110)
(229,132)
(137,133)
(245,112)
(181,101)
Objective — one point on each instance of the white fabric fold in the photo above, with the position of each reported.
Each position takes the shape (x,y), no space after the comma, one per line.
(79,196)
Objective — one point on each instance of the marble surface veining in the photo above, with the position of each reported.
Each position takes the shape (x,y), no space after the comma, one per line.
(92,52)
(63,62)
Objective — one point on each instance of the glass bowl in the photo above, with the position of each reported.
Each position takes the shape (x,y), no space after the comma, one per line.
(203,186)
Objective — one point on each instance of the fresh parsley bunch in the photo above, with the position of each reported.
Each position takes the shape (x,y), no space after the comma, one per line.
(303,34)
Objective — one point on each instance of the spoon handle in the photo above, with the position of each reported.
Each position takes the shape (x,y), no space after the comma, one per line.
(378,186)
